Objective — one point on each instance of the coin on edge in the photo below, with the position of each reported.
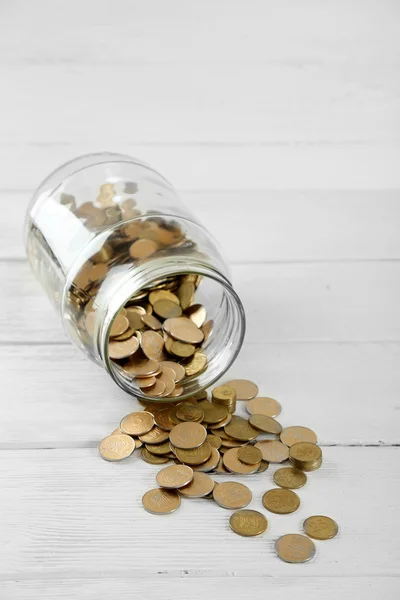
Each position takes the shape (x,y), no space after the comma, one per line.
(161,502)
(116,446)
(248,523)
(295,548)
(320,527)
(232,495)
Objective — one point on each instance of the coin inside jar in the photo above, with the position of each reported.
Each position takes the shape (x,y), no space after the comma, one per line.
(120,324)
(167,309)
(123,349)
(197,364)
(184,330)
(264,406)
(197,313)
(151,321)
(141,366)
(248,523)
(153,345)
(231,494)
(174,476)
(176,367)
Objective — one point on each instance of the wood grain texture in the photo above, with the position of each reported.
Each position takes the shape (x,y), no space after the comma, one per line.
(348,393)
(80,516)
(229,587)
(352,302)
(282,224)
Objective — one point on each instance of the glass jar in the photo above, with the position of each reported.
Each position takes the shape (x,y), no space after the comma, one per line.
(105,229)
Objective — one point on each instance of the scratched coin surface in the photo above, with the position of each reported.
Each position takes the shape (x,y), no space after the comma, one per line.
(281,501)
(264,406)
(248,523)
(290,478)
(295,548)
(174,476)
(232,495)
(245,389)
(116,446)
(273,451)
(137,423)
(161,501)
(200,486)
(188,435)
(265,424)
(292,435)
(320,527)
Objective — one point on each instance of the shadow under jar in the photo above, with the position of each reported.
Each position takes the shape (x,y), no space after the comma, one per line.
(119,255)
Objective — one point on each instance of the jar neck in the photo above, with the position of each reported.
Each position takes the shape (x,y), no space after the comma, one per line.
(229,318)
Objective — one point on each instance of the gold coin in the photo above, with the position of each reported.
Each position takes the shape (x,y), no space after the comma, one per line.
(145,382)
(231,494)
(119,430)
(245,389)
(292,435)
(234,465)
(168,381)
(119,326)
(219,427)
(174,476)
(167,309)
(305,452)
(180,349)
(290,478)
(135,319)
(158,295)
(153,345)
(138,443)
(142,249)
(249,455)
(116,446)
(214,440)
(154,436)
(320,527)
(162,419)
(295,548)
(194,456)
(220,468)
(186,294)
(98,271)
(161,502)
(197,313)
(273,451)
(151,321)
(184,330)
(178,369)
(188,435)
(189,412)
(266,424)
(248,523)
(240,429)
(281,501)
(119,350)
(263,466)
(200,486)
(155,390)
(207,329)
(224,393)
(137,423)
(151,458)
(210,464)
(159,449)
(124,336)
(135,308)
(140,366)
(197,365)
(264,406)
(213,413)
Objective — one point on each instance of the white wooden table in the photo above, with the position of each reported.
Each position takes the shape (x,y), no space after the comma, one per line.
(279,122)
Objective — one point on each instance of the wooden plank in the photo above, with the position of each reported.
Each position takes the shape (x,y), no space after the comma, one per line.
(335,102)
(242,167)
(188,32)
(230,587)
(348,393)
(283,225)
(67,513)
(356,302)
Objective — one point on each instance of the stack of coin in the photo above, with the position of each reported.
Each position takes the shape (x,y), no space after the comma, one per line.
(203,437)
(305,456)
(226,396)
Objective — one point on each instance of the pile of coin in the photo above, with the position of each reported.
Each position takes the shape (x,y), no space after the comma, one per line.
(156,339)
(203,437)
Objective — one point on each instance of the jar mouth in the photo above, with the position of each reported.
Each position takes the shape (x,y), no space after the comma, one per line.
(223,344)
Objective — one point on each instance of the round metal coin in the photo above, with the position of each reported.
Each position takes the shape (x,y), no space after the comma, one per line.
(188,435)
(281,501)
(295,548)
(248,523)
(174,476)
(116,446)
(137,423)
(290,478)
(232,495)
(200,486)
(161,502)
(320,527)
